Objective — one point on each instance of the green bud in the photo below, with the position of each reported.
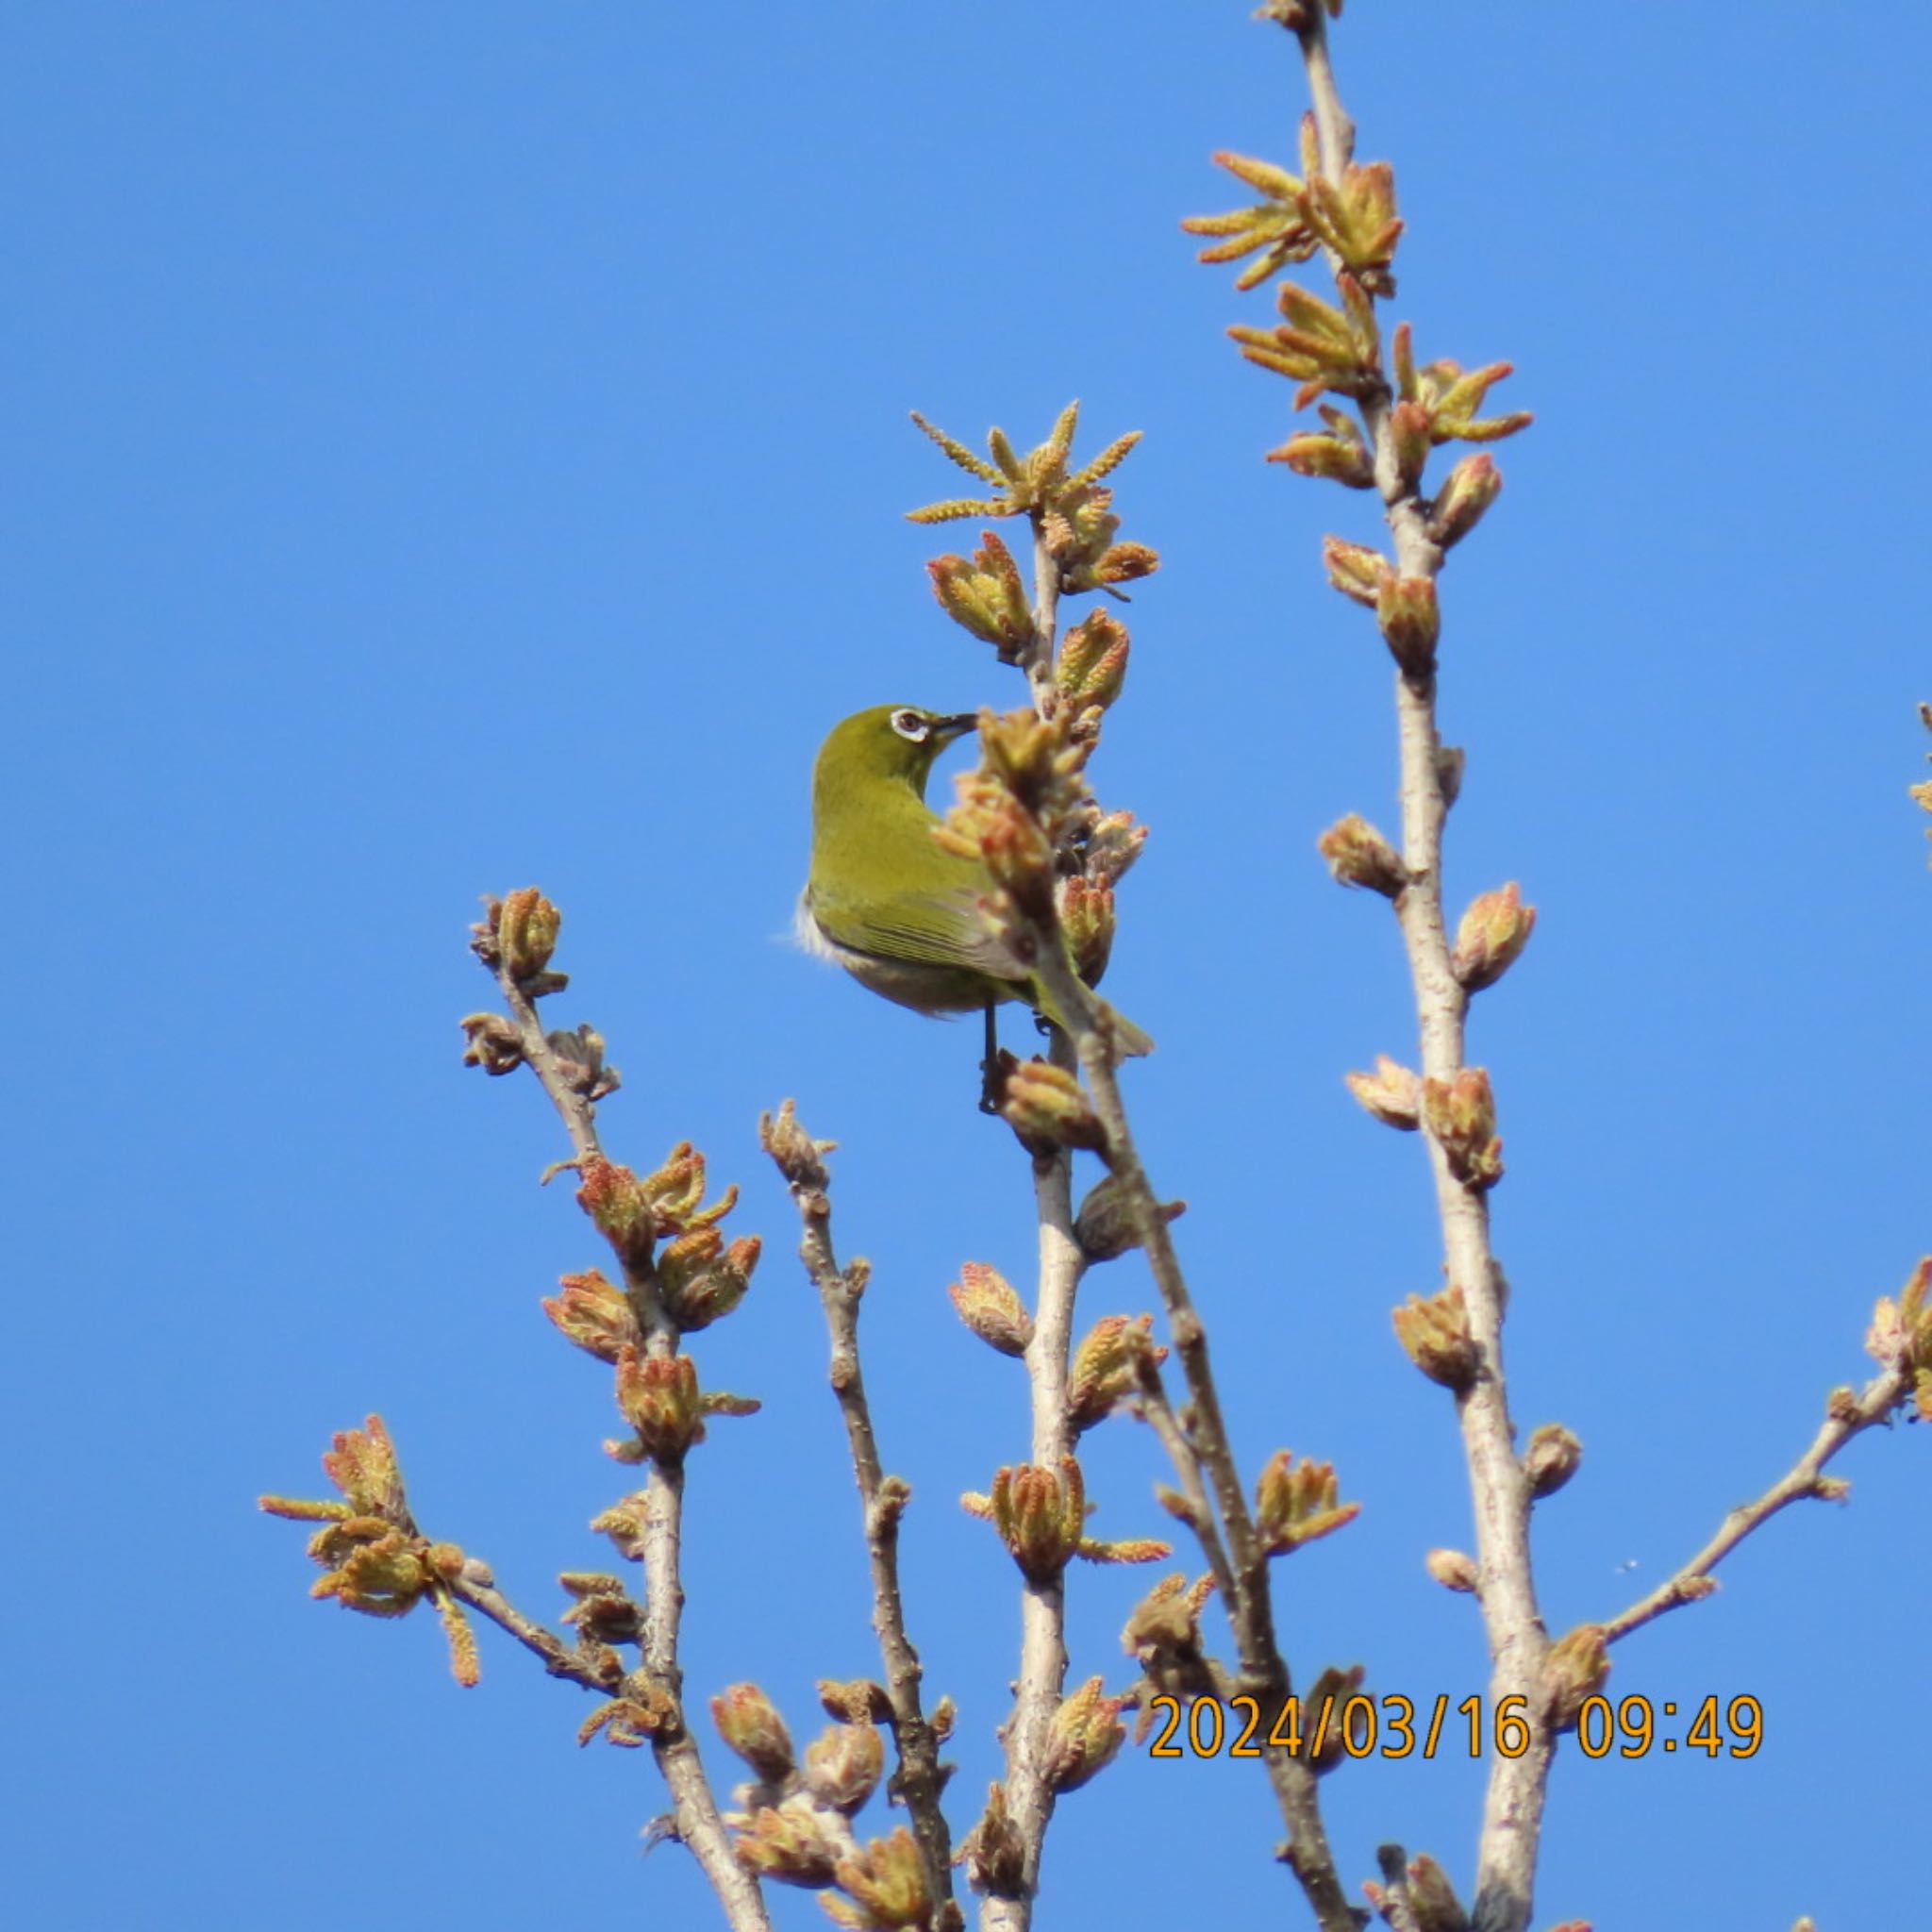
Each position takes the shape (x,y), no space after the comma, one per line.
(527,929)
(1085,1737)
(1296,1503)
(1093,663)
(989,1305)
(1411,622)
(1461,1114)
(659,1395)
(1576,1668)
(1358,854)
(791,1843)
(1465,496)
(592,1313)
(1492,937)
(1435,1335)
(1047,1108)
(1392,1094)
(887,1881)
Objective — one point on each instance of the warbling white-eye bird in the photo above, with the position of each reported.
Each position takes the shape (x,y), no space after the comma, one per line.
(893,907)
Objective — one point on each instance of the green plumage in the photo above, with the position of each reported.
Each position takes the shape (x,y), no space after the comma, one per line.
(895,909)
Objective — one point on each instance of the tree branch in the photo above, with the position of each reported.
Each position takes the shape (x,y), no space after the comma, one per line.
(921,1778)
(1042,1605)
(1850,1414)
(695,1811)
(1513,1806)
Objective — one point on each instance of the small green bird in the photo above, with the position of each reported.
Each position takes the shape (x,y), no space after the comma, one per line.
(898,912)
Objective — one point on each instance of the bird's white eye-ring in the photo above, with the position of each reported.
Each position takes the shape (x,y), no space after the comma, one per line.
(910,724)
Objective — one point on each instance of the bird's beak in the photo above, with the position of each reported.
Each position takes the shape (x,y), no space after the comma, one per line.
(957,725)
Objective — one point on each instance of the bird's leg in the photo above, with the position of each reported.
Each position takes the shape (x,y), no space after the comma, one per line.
(989,1066)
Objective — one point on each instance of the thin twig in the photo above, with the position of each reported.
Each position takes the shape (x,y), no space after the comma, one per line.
(919,1779)
(1264,1673)
(1513,1806)
(1152,1405)
(695,1807)
(558,1657)
(1850,1415)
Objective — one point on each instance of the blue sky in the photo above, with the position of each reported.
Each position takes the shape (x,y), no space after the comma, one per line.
(462,446)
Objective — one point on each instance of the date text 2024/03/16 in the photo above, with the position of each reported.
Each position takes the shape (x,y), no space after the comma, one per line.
(1322,1729)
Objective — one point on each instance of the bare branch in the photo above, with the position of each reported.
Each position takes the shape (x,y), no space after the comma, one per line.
(921,1778)
(1850,1414)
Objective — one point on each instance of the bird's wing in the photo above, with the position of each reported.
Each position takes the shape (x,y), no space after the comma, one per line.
(938,929)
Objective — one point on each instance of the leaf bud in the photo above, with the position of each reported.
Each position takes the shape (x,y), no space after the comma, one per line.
(495,1042)
(1322,1705)
(1085,1737)
(1112,846)
(1453,1570)
(1356,571)
(659,1395)
(1392,1094)
(1340,456)
(1015,849)
(986,596)
(1435,1335)
(1432,1901)
(887,1880)
(1358,854)
(854,1700)
(1086,918)
(1551,1459)
(1047,1108)
(1296,1503)
(1461,1114)
(842,1765)
(1107,1365)
(527,929)
(1467,492)
(1492,937)
(699,1279)
(1412,621)
(1105,1226)
(793,1152)
(604,1611)
(1163,1634)
(1091,667)
(618,1204)
(1576,1668)
(792,1842)
(992,1852)
(578,1052)
(594,1312)
(989,1305)
(1901,1332)
(1451,760)
(1409,433)
(1039,1512)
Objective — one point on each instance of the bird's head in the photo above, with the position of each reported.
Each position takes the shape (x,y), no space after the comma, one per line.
(889,742)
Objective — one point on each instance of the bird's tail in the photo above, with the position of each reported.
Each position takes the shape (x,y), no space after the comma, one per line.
(1132,1042)
(1128,1038)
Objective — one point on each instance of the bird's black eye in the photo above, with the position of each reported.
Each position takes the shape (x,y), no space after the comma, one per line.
(910,723)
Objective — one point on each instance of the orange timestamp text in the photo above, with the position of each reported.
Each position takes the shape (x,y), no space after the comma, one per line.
(1323,1730)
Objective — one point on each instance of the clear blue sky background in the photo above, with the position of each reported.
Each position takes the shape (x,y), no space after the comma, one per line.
(458,446)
